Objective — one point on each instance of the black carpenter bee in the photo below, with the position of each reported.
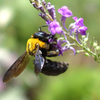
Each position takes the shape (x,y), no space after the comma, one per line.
(40,47)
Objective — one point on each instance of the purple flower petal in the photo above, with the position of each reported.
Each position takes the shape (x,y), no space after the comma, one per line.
(78,27)
(82,30)
(54,27)
(64,11)
(73,50)
(64,48)
(75,18)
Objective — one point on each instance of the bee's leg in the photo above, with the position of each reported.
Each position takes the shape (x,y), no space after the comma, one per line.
(53,53)
(53,43)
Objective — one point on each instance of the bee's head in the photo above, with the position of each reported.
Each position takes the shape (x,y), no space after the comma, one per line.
(33,44)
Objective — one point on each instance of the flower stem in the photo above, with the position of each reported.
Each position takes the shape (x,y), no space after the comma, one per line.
(86,49)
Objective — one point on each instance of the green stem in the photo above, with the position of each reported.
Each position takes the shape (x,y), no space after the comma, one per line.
(84,48)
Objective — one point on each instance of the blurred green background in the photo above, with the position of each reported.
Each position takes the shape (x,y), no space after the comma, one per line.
(18,20)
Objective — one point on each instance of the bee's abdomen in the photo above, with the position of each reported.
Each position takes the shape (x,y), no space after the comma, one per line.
(54,68)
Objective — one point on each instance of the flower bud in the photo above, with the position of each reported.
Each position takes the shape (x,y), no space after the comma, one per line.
(86,54)
(95,44)
(98,48)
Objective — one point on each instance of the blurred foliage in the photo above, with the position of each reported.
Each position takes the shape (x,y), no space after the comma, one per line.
(18,20)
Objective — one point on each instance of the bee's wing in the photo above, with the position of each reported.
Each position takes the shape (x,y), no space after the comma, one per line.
(18,66)
(38,62)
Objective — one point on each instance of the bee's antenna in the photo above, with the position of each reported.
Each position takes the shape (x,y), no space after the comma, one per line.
(42,26)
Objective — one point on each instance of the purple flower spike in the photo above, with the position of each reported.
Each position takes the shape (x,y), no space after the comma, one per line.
(54,28)
(51,10)
(65,12)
